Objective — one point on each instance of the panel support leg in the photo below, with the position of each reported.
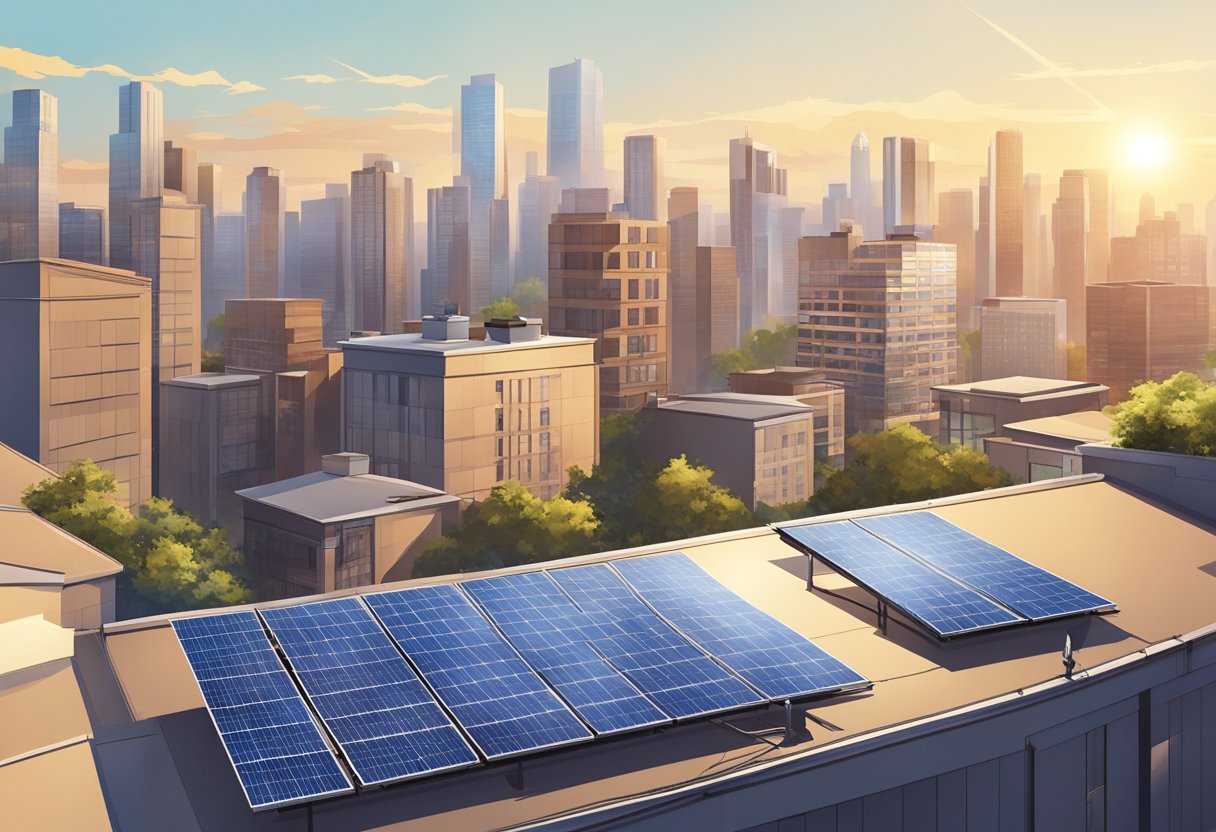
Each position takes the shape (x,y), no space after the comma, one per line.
(810,573)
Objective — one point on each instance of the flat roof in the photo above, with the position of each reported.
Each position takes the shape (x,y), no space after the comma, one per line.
(328,498)
(18,472)
(1083,426)
(413,342)
(1085,529)
(30,541)
(208,381)
(1021,387)
(741,406)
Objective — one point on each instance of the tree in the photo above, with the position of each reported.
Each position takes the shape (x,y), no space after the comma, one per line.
(681,501)
(212,362)
(761,348)
(1209,361)
(501,309)
(170,561)
(1177,415)
(1076,362)
(903,465)
(532,296)
(214,342)
(616,484)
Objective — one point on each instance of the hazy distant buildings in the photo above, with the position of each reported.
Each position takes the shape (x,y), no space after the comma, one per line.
(682,231)
(227,278)
(1100,213)
(1006,214)
(890,356)
(325,258)
(585,201)
(181,171)
(30,176)
(137,162)
(608,281)
(82,233)
(908,183)
(576,125)
(1023,337)
(1070,217)
(77,375)
(538,200)
(757,200)
(210,198)
(956,224)
(291,254)
(717,307)
(381,222)
(646,177)
(446,280)
(483,164)
(1159,251)
(265,198)
(1032,212)
(1144,331)
(837,206)
(861,188)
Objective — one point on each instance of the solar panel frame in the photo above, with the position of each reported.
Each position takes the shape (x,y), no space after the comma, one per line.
(837,676)
(248,615)
(790,534)
(914,521)
(319,699)
(456,709)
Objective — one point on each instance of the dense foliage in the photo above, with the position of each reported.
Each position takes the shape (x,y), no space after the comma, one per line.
(1177,415)
(529,298)
(762,348)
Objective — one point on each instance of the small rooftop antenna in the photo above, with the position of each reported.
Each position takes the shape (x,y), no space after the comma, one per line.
(1069,661)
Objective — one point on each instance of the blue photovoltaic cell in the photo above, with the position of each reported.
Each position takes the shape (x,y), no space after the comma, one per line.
(1021,586)
(777,661)
(379,712)
(944,606)
(495,696)
(673,672)
(553,635)
(271,738)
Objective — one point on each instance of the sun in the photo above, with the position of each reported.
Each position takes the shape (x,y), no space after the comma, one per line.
(1147,149)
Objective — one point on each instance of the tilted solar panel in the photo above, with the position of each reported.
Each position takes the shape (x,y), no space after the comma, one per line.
(272,740)
(553,635)
(944,606)
(1023,587)
(775,659)
(386,722)
(499,701)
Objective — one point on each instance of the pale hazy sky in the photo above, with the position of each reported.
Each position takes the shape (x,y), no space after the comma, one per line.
(308,88)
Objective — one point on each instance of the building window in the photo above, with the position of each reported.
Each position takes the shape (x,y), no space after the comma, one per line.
(614,260)
(652,288)
(634,259)
(544,420)
(633,289)
(652,259)
(498,419)
(635,233)
(633,316)
(652,316)
(652,235)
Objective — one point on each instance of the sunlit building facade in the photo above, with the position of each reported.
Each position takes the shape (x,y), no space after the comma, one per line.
(1101,211)
(909,172)
(265,198)
(483,165)
(956,224)
(381,223)
(137,161)
(646,177)
(181,171)
(1023,337)
(576,125)
(82,233)
(1070,217)
(30,178)
(1006,212)
(757,230)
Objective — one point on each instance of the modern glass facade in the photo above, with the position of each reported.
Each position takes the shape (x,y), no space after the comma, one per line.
(539,197)
(576,125)
(646,177)
(1006,191)
(265,250)
(483,165)
(325,258)
(31,176)
(757,231)
(137,162)
(82,233)
(227,279)
(446,279)
(908,183)
(210,192)
(382,222)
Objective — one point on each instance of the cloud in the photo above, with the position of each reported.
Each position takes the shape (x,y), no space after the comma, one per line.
(1117,71)
(37,67)
(206,136)
(526,112)
(313,79)
(415,108)
(407,81)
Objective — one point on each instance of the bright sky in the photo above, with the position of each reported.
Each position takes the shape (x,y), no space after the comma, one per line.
(308,88)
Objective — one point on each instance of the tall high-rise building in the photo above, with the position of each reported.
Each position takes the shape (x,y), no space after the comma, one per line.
(265,199)
(181,171)
(165,232)
(137,162)
(682,237)
(861,187)
(483,164)
(1148,208)
(1023,337)
(608,281)
(1210,228)
(1159,251)
(838,206)
(717,309)
(1144,330)
(1032,211)
(210,198)
(576,125)
(325,259)
(381,223)
(31,176)
(908,183)
(1070,217)
(538,200)
(291,254)
(757,199)
(956,224)
(1006,214)
(1101,211)
(227,279)
(82,233)
(890,357)
(646,177)
(446,279)
(585,201)
(983,242)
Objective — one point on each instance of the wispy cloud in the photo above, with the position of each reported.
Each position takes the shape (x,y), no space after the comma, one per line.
(415,108)
(313,79)
(407,81)
(1117,71)
(37,67)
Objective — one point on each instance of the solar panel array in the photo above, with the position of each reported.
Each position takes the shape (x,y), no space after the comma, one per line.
(946,578)
(279,753)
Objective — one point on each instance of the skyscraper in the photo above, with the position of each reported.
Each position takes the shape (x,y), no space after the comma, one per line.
(538,200)
(1100,212)
(82,233)
(483,164)
(1023,337)
(446,279)
(757,200)
(1210,227)
(381,222)
(227,279)
(908,183)
(837,206)
(325,259)
(1070,216)
(31,176)
(646,177)
(861,189)
(576,125)
(181,171)
(1032,210)
(210,197)
(1159,251)
(983,243)
(682,239)
(1006,214)
(137,162)
(265,198)
(956,224)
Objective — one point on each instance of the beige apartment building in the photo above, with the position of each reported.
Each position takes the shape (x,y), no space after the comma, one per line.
(463,416)
(808,387)
(608,281)
(77,374)
(972,412)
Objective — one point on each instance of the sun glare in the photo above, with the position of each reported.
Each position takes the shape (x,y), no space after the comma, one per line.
(1147,149)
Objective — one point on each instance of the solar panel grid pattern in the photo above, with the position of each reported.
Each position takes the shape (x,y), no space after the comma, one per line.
(944,606)
(1021,586)
(775,659)
(279,753)
(379,712)
(495,696)
(552,634)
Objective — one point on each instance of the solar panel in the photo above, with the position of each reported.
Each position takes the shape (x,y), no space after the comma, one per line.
(673,672)
(270,736)
(383,718)
(1021,586)
(944,606)
(776,660)
(504,707)
(553,635)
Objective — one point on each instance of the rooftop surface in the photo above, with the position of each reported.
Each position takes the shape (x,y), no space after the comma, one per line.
(1083,426)
(739,406)
(32,542)
(413,342)
(1020,387)
(328,498)
(18,472)
(206,381)
(1083,529)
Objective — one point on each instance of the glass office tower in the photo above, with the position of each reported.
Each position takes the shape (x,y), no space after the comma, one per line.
(576,125)
(31,175)
(137,161)
(381,222)
(265,227)
(483,164)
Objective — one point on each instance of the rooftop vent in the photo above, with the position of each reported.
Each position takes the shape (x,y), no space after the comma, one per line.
(513,330)
(346,464)
(445,327)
